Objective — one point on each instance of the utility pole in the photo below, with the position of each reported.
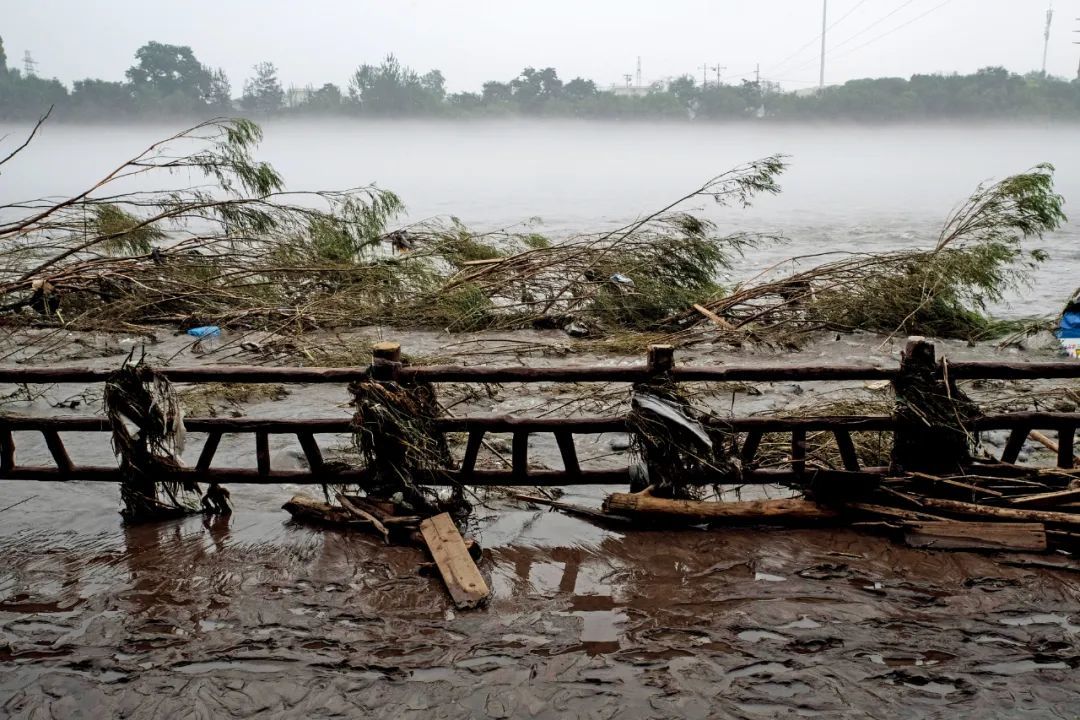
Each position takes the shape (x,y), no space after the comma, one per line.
(29,65)
(1046,35)
(1077,43)
(629,78)
(718,68)
(639,83)
(704,76)
(824,18)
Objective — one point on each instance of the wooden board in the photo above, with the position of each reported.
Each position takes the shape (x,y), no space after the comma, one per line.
(949,535)
(1050,499)
(463,579)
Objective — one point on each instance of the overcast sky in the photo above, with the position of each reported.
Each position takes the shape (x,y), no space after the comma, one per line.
(471,41)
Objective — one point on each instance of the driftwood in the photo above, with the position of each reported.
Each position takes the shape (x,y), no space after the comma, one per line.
(1000,513)
(956,535)
(459,572)
(786,511)
(572,509)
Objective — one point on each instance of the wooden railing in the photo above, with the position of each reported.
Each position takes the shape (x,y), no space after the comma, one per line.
(386,365)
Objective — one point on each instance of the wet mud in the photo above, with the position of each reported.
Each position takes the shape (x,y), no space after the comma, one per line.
(252,615)
(255,616)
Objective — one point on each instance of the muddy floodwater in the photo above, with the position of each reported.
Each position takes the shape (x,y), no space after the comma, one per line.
(255,616)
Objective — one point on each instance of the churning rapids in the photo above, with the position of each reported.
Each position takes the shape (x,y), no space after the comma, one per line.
(252,615)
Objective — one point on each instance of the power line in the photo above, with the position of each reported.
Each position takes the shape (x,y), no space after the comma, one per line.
(875,38)
(895,29)
(873,25)
(817,37)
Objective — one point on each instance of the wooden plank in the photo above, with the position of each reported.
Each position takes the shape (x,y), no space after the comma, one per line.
(798,452)
(208,450)
(460,574)
(986,511)
(1065,447)
(253,374)
(472,449)
(311,450)
(58,451)
(1015,444)
(847,450)
(892,512)
(520,455)
(7,451)
(568,452)
(950,535)
(1047,499)
(750,447)
(579,426)
(262,452)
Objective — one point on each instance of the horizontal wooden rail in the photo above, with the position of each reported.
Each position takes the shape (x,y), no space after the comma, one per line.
(578,426)
(481,478)
(630,373)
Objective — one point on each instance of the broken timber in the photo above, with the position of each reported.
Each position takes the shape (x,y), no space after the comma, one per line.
(784,511)
(463,580)
(958,535)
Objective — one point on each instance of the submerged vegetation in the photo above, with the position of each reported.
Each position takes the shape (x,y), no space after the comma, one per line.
(245,253)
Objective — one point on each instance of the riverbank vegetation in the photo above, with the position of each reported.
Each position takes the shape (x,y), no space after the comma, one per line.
(168,81)
(240,251)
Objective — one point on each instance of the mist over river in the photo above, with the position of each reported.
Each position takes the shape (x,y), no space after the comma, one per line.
(849,188)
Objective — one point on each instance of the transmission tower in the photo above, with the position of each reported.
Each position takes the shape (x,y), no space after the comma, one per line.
(29,65)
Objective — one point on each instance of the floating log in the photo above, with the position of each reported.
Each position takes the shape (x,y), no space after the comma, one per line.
(1047,499)
(957,535)
(892,512)
(572,509)
(463,580)
(986,511)
(303,508)
(784,511)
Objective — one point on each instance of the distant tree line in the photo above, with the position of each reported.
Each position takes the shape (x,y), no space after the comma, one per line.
(167,81)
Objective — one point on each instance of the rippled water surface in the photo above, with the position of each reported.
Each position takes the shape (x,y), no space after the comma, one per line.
(851,188)
(255,616)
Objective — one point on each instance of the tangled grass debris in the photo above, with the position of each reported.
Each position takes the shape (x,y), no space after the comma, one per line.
(245,253)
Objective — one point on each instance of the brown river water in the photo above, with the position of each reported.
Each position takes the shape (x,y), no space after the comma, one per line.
(254,615)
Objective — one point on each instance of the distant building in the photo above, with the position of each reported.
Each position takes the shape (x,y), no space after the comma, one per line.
(295,97)
(638,90)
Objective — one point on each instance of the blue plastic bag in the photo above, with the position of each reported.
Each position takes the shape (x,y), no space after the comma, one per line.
(204,331)
(1069,327)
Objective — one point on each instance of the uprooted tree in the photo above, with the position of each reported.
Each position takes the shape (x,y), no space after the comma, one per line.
(244,252)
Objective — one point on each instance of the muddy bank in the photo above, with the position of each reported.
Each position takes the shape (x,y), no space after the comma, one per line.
(253,615)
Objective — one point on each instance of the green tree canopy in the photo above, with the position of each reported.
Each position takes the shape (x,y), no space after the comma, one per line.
(169,72)
(395,89)
(263,94)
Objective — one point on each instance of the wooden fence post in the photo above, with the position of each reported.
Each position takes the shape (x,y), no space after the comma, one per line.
(661,359)
(385,360)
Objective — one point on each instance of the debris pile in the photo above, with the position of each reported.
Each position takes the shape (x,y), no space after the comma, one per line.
(147,424)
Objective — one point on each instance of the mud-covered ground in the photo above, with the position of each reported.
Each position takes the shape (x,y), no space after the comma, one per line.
(253,615)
